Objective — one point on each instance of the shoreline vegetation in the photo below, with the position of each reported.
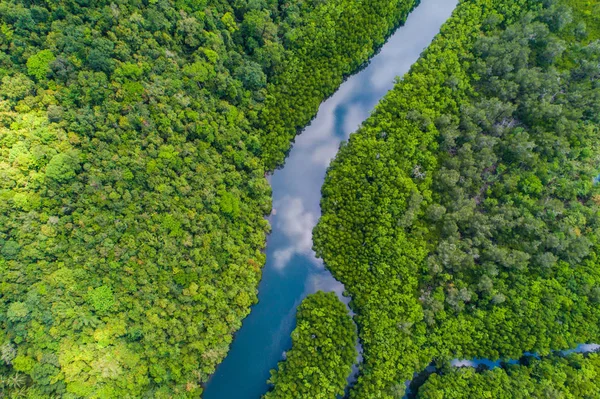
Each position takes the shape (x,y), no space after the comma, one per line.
(323,351)
(484,365)
(462,217)
(570,376)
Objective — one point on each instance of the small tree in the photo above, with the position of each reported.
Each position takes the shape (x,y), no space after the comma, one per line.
(38,65)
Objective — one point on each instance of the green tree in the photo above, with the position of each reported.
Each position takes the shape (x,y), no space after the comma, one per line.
(38,65)
(62,167)
(322,354)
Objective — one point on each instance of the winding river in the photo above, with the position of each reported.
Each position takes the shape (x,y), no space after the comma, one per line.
(292,271)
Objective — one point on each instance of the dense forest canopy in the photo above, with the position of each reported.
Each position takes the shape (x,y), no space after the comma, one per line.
(323,351)
(463,216)
(571,377)
(132,194)
(134,140)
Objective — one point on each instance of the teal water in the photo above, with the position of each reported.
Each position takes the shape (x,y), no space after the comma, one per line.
(413,386)
(292,271)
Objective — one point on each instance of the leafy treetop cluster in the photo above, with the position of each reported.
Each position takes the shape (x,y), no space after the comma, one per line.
(570,377)
(323,351)
(132,193)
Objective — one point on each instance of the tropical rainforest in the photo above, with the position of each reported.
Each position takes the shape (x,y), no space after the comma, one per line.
(135,136)
(463,216)
(323,351)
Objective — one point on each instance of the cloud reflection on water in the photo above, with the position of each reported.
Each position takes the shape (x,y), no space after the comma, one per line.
(296,223)
(292,272)
(298,185)
(326,282)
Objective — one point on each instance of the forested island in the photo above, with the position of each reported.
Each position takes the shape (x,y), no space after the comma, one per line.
(322,354)
(462,217)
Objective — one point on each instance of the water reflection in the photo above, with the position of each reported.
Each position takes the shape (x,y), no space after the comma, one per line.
(582,348)
(420,378)
(296,224)
(292,271)
(296,188)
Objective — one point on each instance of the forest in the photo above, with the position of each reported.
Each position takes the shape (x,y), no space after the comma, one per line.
(135,136)
(323,351)
(570,377)
(463,216)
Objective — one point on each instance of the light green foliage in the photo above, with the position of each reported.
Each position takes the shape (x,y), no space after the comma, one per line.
(23,363)
(588,13)
(199,72)
(132,91)
(16,87)
(229,22)
(101,298)
(229,204)
(570,377)
(322,354)
(462,217)
(38,65)
(17,311)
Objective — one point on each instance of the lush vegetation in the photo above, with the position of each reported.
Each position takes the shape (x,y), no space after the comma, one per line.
(134,136)
(588,13)
(132,195)
(570,377)
(333,43)
(462,217)
(323,351)
(134,140)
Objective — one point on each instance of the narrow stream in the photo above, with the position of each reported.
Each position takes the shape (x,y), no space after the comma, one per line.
(292,271)
(413,386)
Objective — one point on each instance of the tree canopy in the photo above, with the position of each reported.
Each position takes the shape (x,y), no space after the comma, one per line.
(462,217)
(570,377)
(323,352)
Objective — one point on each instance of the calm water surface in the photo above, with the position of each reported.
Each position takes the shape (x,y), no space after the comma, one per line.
(292,271)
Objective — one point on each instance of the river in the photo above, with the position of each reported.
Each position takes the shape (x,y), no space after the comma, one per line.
(420,378)
(292,271)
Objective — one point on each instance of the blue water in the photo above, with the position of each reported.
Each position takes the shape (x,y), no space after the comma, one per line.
(292,271)
(412,389)
(582,348)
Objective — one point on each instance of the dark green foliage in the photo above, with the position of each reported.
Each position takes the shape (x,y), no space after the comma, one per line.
(61,167)
(463,216)
(322,354)
(572,376)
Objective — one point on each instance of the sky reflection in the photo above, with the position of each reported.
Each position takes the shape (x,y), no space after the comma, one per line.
(292,271)
(297,186)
